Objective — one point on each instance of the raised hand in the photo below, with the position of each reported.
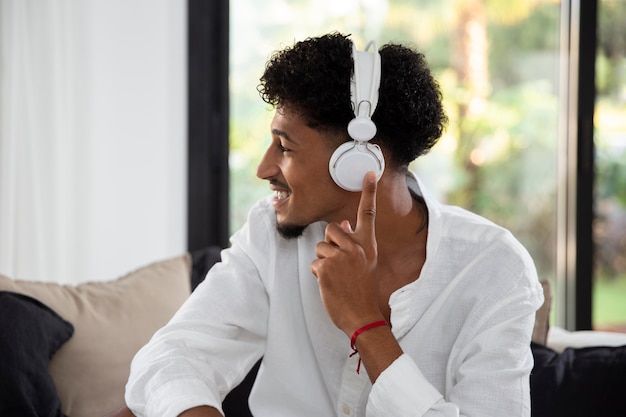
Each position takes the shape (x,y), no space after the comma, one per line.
(346,266)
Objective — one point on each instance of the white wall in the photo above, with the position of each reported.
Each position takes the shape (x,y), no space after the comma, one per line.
(93,182)
(138,133)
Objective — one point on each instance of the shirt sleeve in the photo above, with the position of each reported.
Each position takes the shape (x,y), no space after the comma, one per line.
(402,380)
(487,372)
(209,345)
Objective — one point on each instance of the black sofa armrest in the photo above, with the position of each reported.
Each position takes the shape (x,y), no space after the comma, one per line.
(201,261)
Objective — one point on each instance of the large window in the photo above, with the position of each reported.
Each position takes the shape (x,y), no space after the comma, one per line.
(500,68)
(609,289)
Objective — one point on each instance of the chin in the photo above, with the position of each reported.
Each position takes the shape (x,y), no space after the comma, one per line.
(290,231)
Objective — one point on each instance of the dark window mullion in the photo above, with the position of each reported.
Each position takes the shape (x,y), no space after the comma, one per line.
(585,165)
(208,119)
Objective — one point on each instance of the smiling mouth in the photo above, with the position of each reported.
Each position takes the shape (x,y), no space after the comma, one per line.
(281,195)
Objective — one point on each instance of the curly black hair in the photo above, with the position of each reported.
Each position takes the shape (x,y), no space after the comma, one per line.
(313,78)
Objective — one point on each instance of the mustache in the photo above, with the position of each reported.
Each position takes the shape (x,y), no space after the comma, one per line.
(280,184)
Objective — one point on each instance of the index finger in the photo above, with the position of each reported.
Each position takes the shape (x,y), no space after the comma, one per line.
(366,215)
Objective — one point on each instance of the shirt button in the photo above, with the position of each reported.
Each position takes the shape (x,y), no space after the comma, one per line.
(346,409)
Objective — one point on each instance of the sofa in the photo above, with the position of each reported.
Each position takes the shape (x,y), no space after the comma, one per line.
(66,350)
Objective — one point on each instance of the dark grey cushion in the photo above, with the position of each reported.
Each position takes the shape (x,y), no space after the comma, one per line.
(30,333)
(578,382)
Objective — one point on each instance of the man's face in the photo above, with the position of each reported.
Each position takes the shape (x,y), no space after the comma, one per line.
(296,165)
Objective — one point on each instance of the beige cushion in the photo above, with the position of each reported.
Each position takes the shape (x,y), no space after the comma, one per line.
(560,339)
(112,320)
(542,316)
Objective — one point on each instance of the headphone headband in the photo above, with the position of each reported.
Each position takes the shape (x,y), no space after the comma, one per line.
(364,86)
(352,160)
(365,80)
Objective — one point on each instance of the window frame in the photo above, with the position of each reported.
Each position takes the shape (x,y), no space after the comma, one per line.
(208,120)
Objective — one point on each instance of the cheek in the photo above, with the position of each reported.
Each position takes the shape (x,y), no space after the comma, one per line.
(311,171)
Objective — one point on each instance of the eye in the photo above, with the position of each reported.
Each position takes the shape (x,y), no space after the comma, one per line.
(282,148)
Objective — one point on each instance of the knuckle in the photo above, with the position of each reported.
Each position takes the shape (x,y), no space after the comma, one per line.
(369,211)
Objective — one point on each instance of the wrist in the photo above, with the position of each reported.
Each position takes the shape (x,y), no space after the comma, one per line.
(353,325)
(363,329)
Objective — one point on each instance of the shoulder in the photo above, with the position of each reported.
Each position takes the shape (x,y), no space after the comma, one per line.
(478,235)
(458,235)
(488,255)
(460,223)
(456,223)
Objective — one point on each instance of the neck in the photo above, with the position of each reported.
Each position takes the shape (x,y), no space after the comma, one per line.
(400,217)
(401,235)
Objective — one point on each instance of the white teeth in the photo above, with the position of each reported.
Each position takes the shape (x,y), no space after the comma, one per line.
(281,194)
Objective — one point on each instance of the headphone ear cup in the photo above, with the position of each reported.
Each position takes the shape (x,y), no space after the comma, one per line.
(352,160)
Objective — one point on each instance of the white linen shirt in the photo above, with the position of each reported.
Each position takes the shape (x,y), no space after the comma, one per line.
(464,326)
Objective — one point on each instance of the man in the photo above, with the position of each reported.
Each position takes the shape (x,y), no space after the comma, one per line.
(434,303)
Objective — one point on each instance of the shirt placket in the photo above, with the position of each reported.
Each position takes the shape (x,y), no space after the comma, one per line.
(352,389)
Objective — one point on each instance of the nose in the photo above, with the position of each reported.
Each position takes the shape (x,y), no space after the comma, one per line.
(267,168)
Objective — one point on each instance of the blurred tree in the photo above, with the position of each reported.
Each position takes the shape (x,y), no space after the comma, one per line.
(470,62)
(612,47)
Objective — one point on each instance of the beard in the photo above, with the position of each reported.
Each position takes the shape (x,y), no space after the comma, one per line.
(290,231)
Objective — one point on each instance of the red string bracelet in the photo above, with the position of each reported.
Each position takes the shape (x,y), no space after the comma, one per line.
(356,333)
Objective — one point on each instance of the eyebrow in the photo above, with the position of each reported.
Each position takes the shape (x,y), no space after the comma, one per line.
(284,135)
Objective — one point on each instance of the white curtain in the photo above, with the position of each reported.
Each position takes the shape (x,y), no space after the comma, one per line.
(40,129)
(92,137)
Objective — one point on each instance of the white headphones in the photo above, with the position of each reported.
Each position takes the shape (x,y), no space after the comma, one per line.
(352,160)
